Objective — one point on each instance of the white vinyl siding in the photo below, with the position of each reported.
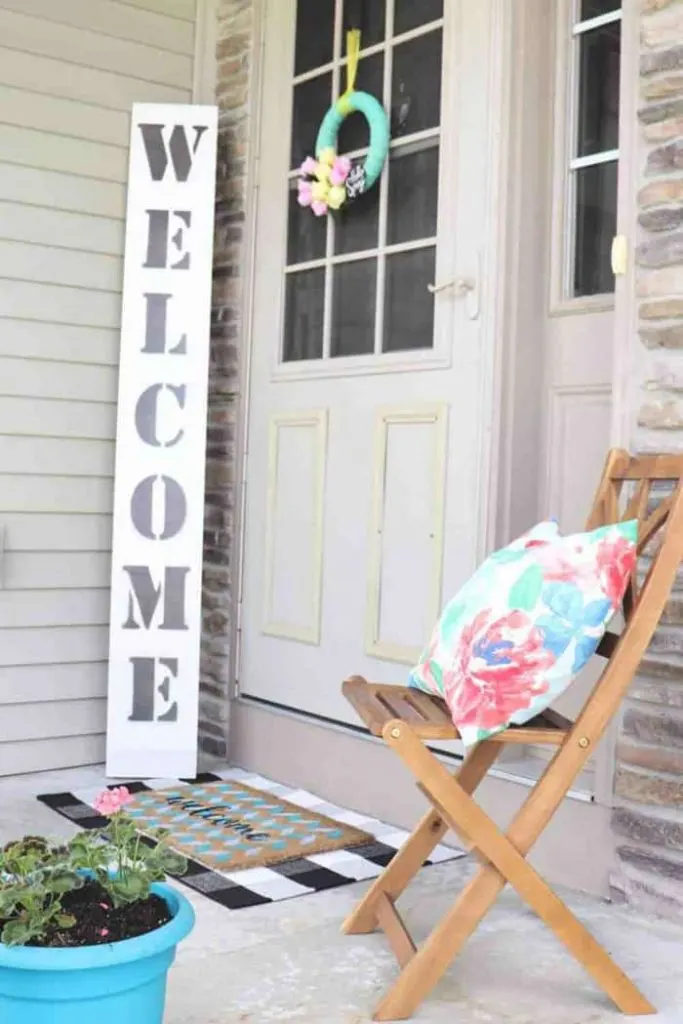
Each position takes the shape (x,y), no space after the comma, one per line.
(69,73)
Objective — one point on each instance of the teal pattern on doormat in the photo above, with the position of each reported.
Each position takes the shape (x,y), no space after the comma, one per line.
(229,826)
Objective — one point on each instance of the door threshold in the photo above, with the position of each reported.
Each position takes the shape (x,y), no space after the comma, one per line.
(348,729)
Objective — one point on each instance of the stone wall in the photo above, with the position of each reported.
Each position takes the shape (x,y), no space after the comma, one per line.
(235,42)
(648,816)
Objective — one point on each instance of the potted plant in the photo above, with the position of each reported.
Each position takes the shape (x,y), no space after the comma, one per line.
(88,930)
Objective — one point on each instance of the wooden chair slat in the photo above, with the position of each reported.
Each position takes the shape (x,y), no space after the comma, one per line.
(637,506)
(399,706)
(392,925)
(361,696)
(649,467)
(655,522)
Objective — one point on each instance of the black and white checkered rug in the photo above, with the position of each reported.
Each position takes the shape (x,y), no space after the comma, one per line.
(253,886)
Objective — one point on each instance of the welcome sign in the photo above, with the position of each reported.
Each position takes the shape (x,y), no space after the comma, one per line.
(155,617)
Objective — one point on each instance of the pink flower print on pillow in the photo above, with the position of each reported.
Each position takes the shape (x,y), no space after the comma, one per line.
(499,669)
(616,558)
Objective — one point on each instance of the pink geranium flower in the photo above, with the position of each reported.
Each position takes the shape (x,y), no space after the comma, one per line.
(499,670)
(111,801)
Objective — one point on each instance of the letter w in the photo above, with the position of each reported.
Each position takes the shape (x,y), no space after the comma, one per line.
(179,147)
(148,596)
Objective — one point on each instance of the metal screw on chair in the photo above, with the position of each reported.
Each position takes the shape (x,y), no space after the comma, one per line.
(584,742)
(395,733)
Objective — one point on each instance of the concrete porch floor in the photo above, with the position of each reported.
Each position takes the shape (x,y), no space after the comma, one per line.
(288,962)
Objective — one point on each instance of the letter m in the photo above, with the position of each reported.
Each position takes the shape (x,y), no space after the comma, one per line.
(179,148)
(148,595)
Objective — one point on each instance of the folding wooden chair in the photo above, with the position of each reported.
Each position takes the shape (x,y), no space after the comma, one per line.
(408,719)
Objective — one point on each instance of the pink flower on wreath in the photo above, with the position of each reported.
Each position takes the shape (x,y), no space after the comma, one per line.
(319,207)
(305,197)
(309,166)
(341,168)
(498,670)
(616,562)
(111,801)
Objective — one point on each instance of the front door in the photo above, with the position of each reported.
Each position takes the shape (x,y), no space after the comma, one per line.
(369,416)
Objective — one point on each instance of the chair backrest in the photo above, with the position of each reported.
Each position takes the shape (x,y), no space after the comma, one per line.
(657,501)
(649,488)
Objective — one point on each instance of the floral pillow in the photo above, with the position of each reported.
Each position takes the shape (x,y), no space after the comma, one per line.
(518,633)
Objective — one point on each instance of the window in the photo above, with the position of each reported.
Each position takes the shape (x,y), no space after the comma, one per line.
(356,281)
(594,157)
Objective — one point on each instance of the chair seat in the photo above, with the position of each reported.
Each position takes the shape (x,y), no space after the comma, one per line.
(377,704)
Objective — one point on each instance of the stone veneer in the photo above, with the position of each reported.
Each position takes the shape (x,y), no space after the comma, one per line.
(236,31)
(648,816)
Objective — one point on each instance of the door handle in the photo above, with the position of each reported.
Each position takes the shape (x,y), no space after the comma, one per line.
(463,287)
(460,285)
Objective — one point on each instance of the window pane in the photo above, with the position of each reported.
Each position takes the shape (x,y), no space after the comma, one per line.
(314,34)
(306,233)
(367,15)
(596,226)
(355,226)
(354,132)
(599,90)
(311,102)
(411,13)
(416,86)
(304,315)
(408,305)
(353,308)
(413,193)
(594,8)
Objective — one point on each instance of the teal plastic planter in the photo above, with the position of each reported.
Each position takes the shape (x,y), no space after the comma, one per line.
(124,983)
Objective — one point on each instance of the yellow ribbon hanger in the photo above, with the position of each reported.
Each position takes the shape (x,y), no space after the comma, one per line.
(352,59)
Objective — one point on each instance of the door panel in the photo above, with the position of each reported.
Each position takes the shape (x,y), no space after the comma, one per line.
(367,428)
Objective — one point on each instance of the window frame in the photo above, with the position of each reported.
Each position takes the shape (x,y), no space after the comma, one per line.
(565,162)
(378,361)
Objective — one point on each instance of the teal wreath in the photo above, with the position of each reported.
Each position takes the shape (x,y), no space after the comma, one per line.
(378,122)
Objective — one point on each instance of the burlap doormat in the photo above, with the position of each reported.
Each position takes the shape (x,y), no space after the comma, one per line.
(227,825)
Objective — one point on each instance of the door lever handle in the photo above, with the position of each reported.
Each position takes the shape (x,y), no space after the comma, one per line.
(463,287)
(460,285)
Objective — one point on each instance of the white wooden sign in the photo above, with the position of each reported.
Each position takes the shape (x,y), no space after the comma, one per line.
(155,617)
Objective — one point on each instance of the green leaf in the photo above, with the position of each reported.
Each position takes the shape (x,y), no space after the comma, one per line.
(525,593)
(8,904)
(129,889)
(172,863)
(65,881)
(65,920)
(17,933)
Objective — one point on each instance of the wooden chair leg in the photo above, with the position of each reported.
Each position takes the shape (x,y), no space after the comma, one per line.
(409,859)
(507,864)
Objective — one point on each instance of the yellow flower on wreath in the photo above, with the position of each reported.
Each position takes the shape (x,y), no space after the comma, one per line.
(336,197)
